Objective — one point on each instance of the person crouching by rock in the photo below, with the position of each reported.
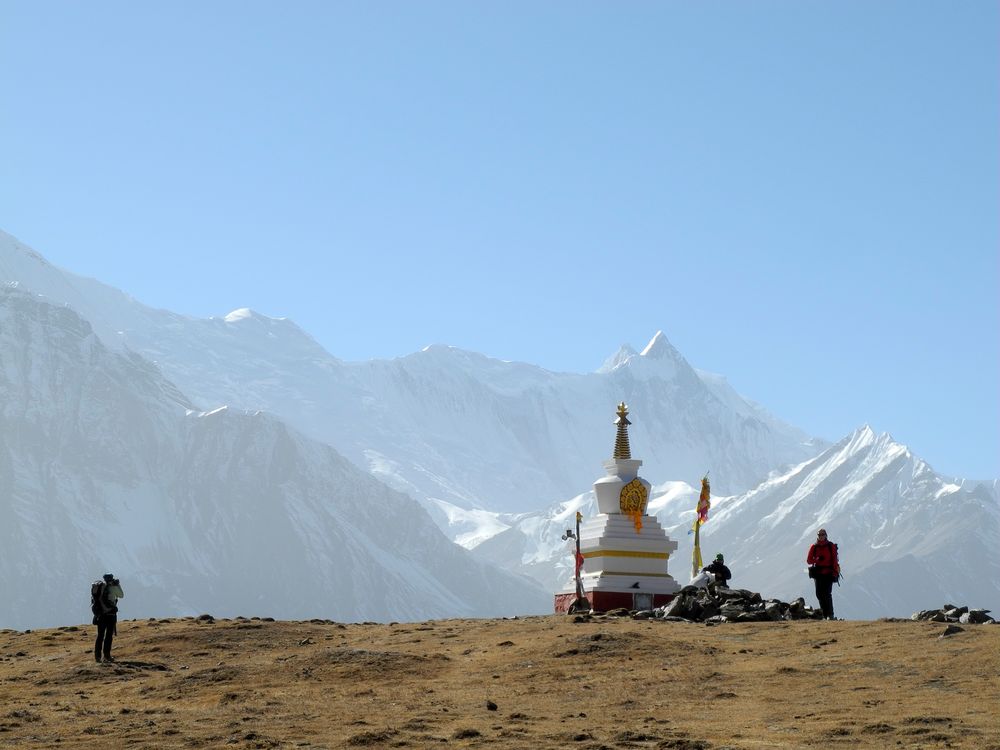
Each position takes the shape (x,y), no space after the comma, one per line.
(104,596)
(824,569)
(720,571)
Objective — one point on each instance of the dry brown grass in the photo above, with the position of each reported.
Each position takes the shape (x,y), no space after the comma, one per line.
(539,682)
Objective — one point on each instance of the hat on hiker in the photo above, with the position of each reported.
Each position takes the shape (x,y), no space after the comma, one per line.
(720,558)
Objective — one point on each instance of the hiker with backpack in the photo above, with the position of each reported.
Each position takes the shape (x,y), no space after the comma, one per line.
(104,596)
(824,569)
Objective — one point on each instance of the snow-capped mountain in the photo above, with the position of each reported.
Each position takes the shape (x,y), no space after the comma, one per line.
(480,443)
(106,465)
(456,430)
(909,539)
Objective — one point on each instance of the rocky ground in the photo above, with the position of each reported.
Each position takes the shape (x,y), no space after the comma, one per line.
(539,682)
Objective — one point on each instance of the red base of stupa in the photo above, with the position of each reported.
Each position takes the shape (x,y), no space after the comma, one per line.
(602,601)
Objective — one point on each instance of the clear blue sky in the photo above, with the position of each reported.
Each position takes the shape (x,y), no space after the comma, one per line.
(802,195)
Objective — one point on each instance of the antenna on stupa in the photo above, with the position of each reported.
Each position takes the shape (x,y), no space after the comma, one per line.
(622,449)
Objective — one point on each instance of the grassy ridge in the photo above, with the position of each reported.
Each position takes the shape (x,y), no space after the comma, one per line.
(538,682)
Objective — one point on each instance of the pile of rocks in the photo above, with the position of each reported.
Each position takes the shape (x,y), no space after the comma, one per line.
(951,613)
(693,604)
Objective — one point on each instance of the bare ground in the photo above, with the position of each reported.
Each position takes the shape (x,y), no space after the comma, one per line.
(537,682)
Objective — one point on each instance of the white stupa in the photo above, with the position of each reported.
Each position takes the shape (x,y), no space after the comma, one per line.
(625,551)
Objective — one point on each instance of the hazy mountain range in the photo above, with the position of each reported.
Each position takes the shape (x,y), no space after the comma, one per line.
(106,465)
(111,420)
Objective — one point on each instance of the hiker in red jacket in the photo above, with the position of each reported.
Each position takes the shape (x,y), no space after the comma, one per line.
(824,568)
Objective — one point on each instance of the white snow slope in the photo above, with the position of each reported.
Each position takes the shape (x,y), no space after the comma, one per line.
(908,538)
(483,444)
(454,429)
(106,466)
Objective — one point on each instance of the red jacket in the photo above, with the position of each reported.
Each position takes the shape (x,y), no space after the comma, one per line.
(824,556)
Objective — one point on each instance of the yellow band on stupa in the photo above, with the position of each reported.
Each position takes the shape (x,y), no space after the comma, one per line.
(626,553)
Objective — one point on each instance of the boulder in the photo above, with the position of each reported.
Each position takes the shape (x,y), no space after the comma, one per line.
(951,613)
(732,611)
(679,606)
(709,610)
(979,616)
(730,594)
(773,610)
(751,617)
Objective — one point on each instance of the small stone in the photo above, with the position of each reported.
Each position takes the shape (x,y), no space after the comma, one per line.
(951,630)
(491,706)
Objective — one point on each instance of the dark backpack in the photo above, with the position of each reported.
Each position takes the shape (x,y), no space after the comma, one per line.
(97,597)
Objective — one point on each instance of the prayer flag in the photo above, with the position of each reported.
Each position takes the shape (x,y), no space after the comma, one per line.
(700,518)
(703,502)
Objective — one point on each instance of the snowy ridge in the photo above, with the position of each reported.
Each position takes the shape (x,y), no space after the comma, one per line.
(443,425)
(906,535)
(113,411)
(105,465)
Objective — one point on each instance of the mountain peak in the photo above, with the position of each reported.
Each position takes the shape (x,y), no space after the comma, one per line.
(659,347)
(247,314)
(865,440)
(242,313)
(620,357)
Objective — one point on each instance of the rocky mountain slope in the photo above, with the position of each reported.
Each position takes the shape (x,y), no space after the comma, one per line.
(106,465)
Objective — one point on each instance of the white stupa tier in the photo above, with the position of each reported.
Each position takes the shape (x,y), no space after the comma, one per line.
(625,551)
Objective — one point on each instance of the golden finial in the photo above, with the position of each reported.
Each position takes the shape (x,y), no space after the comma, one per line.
(622,449)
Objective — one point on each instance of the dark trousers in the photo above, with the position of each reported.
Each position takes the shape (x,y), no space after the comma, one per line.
(106,627)
(824,592)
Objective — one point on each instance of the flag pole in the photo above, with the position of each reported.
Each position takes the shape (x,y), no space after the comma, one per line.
(579,582)
(701,515)
(696,553)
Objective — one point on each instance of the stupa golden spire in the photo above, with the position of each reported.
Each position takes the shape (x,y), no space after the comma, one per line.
(622,449)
